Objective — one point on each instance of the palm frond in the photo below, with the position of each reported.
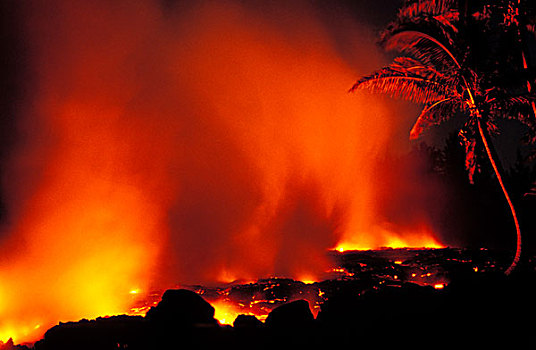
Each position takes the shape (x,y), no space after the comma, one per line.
(415,67)
(448,19)
(433,114)
(439,17)
(415,83)
(517,107)
(425,48)
(430,7)
(412,89)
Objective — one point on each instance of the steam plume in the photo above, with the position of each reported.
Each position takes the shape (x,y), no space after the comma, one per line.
(182,143)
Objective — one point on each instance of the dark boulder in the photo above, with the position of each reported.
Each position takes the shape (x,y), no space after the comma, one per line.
(247,321)
(183,308)
(295,314)
(102,333)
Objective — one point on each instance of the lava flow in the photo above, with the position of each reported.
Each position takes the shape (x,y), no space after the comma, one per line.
(413,239)
(354,272)
(189,142)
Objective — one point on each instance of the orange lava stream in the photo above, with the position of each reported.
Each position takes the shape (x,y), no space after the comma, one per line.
(382,238)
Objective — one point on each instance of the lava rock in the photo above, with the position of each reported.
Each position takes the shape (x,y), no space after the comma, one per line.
(295,314)
(247,321)
(182,307)
(103,333)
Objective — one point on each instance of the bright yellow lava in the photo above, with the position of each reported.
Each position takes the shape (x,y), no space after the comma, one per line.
(226,312)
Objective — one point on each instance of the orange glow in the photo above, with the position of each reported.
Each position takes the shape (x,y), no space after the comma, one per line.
(226,312)
(307,279)
(439,286)
(382,238)
(149,157)
(226,277)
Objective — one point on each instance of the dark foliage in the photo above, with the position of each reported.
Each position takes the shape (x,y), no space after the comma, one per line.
(466,58)
(470,215)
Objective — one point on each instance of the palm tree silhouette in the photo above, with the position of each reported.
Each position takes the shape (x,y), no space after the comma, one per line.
(451,61)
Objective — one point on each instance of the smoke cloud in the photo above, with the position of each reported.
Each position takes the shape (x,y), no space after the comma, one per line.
(187,142)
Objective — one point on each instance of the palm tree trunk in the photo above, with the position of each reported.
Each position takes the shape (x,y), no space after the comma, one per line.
(472,105)
(506,195)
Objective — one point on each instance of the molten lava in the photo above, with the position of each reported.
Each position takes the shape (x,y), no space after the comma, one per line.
(388,239)
(189,143)
(226,312)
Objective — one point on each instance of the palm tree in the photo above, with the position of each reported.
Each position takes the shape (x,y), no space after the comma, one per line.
(443,68)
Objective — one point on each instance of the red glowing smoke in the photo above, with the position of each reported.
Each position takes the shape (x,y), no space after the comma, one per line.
(163,144)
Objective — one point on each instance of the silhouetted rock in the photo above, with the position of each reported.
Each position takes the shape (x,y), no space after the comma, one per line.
(247,321)
(102,333)
(474,310)
(295,314)
(182,307)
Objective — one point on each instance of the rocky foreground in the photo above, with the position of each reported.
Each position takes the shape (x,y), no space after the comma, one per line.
(473,310)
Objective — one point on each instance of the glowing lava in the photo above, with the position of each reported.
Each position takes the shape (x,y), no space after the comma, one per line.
(382,238)
(226,312)
(203,143)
